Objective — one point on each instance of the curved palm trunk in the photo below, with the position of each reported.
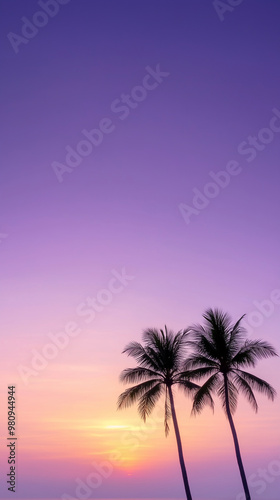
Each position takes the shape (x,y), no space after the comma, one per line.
(236,444)
(179,445)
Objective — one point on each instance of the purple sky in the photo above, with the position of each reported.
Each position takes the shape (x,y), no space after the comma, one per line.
(60,241)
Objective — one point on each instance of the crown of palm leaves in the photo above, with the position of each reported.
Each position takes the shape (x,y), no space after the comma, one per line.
(222,349)
(160,359)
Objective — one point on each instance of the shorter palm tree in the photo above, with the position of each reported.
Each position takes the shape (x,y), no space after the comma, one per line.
(221,353)
(159,368)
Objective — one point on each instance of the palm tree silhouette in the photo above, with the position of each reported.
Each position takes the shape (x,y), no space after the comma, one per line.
(221,352)
(159,367)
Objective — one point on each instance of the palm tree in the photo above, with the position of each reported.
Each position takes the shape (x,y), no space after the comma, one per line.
(221,353)
(159,367)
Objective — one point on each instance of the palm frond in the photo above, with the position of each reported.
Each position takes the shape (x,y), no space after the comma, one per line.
(132,375)
(252,351)
(232,395)
(152,336)
(148,400)
(206,347)
(156,357)
(218,326)
(247,391)
(203,395)
(132,394)
(258,384)
(187,386)
(166,348)
(137,351)
(197,373)
(199,361)
(159,360)
(179,344)
(216,317)
(220,347)
(237,336)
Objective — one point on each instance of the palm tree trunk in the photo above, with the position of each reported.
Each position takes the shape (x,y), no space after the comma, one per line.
(179,445)
(236,444)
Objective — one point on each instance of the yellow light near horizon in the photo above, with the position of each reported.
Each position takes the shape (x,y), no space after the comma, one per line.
(115,427)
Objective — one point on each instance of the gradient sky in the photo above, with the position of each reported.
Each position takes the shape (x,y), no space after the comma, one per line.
(62,242)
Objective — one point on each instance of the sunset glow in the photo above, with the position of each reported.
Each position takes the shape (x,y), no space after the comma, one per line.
(140,186)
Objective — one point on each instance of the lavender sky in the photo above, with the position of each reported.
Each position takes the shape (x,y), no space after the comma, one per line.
(200,95)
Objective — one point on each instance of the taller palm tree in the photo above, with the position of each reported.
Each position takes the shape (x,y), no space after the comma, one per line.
(221,353)
(159,368)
